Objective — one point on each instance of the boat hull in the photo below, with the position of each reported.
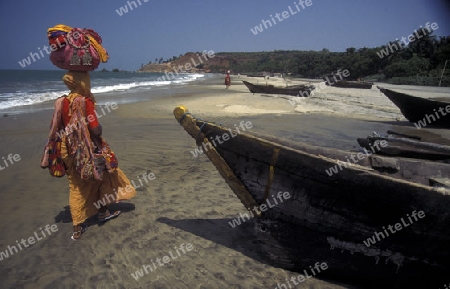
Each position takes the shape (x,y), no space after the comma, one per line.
(417,109)
(340,212)
(353,84)
(298,90)
(327,217)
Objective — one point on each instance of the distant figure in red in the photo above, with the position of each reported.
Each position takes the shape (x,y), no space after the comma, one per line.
(227,79)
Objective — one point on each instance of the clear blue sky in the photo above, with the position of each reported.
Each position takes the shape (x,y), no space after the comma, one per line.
(168,28)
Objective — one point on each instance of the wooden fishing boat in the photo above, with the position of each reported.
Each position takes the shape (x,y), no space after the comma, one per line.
(352,84)
(295,90)
(409,145)
(431,111)
(255,75)
(331,214)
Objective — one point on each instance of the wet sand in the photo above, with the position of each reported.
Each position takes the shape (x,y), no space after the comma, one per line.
(187,203)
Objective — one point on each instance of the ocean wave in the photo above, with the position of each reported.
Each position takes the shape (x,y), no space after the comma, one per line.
(8,100)
(121,86)
(33,96)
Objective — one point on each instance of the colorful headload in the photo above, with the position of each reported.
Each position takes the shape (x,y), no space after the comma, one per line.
(76,49)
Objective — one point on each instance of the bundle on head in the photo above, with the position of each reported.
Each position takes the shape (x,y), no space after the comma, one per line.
(75,49)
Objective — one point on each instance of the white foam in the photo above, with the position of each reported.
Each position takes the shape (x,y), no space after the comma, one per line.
(20,98)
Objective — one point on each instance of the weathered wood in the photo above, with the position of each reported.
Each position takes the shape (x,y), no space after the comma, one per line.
(302,168)
(342,209)
(404,135)
(435,136)
(418,144)
(406,147)
(383,163)
(416,170)
(188,123)
(348,201)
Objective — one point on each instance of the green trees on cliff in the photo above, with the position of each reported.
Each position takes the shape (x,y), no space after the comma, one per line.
(420,62)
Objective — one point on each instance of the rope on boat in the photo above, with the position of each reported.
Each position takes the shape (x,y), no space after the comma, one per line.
(273,160)
(200,132)
(183,116)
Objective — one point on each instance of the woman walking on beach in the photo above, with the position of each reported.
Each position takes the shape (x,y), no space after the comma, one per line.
(86,197)
(227,79)
(85,194)
(75,146)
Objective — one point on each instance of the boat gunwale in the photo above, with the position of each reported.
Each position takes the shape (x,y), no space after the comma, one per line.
(332,161)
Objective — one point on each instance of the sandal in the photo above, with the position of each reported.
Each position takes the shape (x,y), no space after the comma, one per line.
(78,230)
(106,216)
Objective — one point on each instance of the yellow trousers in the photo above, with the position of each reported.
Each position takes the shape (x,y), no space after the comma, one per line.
(86,197)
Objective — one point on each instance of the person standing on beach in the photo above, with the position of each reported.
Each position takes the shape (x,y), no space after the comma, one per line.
(227,79)
(87,197)
(75,145)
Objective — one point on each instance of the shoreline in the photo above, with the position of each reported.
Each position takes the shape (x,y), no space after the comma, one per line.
(214,78)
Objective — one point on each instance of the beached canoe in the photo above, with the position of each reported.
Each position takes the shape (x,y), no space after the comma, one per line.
(295,90)
(409,145)
(312,204)
(353,84)
(255,75)
(423,111)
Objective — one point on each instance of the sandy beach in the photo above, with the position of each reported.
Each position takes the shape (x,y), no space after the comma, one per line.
(187,205)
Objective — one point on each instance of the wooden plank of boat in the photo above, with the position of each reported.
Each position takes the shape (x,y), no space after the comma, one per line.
(406,146)
(340,208)
(417,109)
(255,75)
(352,84)
(296,90)
(438,136)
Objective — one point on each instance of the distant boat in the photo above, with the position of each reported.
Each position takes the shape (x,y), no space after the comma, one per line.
(330,216)
(352,84)
(417,109)
(295,90)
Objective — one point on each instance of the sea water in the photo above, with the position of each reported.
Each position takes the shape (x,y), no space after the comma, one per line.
(33,88)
